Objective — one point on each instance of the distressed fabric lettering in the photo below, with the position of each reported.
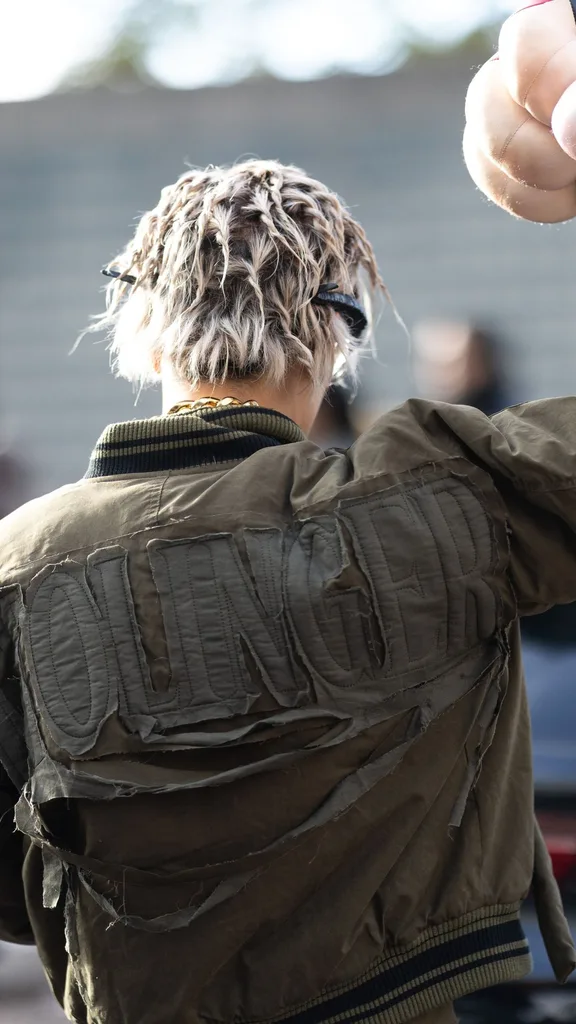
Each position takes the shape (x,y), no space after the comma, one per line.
(319,615)
(418,572)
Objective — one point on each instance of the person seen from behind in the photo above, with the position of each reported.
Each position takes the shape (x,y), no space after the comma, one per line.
(265,742)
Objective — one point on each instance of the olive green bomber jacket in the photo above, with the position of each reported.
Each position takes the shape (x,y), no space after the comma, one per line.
(263,725)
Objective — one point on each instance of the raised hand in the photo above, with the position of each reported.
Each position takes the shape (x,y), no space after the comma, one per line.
(520,135)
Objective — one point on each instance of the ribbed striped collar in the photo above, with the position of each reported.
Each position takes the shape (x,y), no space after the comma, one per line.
(189,439)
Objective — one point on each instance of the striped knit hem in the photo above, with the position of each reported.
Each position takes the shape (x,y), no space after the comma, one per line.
(482,949)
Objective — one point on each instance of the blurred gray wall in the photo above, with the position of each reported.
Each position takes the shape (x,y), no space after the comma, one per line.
(75,170)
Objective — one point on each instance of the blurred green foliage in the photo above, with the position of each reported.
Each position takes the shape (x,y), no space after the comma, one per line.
(123,63)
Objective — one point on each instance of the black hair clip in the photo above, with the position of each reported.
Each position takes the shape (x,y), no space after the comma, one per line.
(108,272)
(346,305)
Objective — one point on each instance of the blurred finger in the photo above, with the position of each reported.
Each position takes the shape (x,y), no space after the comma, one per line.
(537,49)
(564,121)
(518,199)
(519,144)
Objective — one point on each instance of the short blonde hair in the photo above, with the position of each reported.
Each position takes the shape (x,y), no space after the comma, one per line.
(226,266)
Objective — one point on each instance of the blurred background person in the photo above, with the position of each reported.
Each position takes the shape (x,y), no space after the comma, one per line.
(14,482)
(460,362)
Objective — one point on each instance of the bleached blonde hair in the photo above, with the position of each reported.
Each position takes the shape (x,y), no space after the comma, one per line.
(226,266)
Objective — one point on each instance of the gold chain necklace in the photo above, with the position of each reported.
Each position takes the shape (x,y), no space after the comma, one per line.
(208,403)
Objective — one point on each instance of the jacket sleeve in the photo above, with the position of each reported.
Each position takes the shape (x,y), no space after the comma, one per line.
(14,922)
(530,453)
